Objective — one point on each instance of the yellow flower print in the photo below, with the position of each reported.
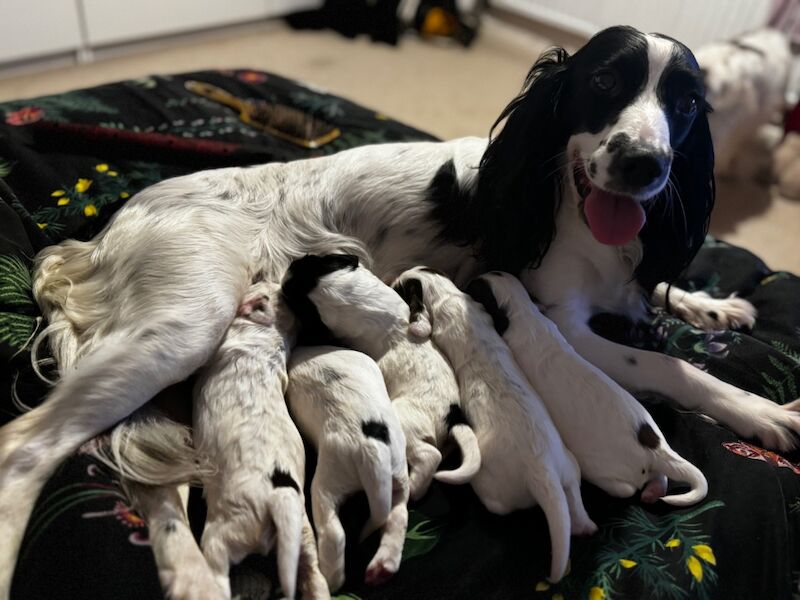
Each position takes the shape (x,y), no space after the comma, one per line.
(83,185)
(627,564)
(695,568)
(597,593)
(706,553)
(673,543)
(58,193)
(558,597)
(90,210)
(112,173)
(42,225)
(101,168)
(542,586)
(63,201)
(124,195)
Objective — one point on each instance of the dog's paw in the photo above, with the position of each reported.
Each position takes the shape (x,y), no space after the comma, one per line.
(776,426)
(192,581)
(714,314)
(380,571)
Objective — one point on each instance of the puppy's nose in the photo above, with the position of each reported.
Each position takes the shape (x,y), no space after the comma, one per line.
(641,169)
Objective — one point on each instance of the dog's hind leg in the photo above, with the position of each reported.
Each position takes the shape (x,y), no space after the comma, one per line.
(386,561)
(123,371)
(310,581)
(330,533)
(423,460)
(182,569)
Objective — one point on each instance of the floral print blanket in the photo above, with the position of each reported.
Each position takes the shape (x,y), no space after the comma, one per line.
(67,162)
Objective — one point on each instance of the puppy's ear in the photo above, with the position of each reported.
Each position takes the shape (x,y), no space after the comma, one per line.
(672,235)
(410,290)
(336,262)
(518,183)
(481,291)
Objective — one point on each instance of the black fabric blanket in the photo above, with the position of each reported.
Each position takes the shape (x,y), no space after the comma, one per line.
(67,162)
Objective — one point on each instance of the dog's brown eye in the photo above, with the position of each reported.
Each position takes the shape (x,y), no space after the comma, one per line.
(687,104)
(604,81)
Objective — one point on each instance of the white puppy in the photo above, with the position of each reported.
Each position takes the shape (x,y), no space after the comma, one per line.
(242,426)
(616,442)
(369,316)
(340,402)
(524,461)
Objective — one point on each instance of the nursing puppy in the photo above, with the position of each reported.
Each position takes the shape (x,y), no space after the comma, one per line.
(339,400)
(354,306)
(616,442)
(242,427)
(523,460)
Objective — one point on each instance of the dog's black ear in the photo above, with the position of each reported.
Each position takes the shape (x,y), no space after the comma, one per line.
(336,262)
(672,235)
(410,290)
(481,291)
(518,183)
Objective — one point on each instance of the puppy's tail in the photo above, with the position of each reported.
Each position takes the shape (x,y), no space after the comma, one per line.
(151,449)
(375,473)
(553,500)
(465,438)
(677,468)
(287,511)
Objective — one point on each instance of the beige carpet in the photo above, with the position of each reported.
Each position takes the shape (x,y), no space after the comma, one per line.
(445,90)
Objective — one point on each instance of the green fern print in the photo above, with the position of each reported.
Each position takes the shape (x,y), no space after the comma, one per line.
(781,385)
(5,168)
(421,536)
(643,546)
(56,107)
(16,329)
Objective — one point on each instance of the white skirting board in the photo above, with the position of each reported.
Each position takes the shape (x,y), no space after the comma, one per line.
(693,22)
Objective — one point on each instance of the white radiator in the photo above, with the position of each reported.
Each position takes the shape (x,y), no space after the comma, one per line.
(694,22)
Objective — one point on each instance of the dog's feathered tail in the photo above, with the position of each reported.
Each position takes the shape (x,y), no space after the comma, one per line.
(287,511)
(553,500)
(148,448)
(678,468)
(465,438)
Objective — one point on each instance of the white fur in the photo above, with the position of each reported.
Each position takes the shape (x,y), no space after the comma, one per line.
(372,318)
(703,311)
(523,460)
(242,427)
(332,392)
(746,84)
(598,420)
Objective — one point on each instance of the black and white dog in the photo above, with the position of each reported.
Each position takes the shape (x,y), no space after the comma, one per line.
(598,187)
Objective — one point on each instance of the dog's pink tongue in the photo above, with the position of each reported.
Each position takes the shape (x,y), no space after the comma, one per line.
(613,219)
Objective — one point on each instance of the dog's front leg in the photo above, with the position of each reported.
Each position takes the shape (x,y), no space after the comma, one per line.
(639,370)
(703,311)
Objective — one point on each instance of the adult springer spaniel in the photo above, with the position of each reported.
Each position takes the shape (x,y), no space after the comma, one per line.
(598,188)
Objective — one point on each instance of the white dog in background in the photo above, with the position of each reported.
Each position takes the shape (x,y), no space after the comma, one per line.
(359,309)
(523,459)
(242,427)
(339,400)
(616,442)
(746,82)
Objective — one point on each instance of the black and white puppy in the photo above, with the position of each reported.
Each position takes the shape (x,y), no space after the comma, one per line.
(618,446)
(598,187)
(340,299)
(339,400)
(523,459)
(242,427)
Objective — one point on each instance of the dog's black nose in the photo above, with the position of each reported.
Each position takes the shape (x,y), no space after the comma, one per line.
(639,169)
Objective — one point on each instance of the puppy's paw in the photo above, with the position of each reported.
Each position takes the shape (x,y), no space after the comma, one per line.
(380,571)
(776,426)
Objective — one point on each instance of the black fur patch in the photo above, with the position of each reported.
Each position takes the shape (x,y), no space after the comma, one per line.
(170,527)
(647,437)
(281,478)
(455,416)
(713,314)
(631,360)
(481,292)
(301,278)
(330,375)
(377,430)
(410,290)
